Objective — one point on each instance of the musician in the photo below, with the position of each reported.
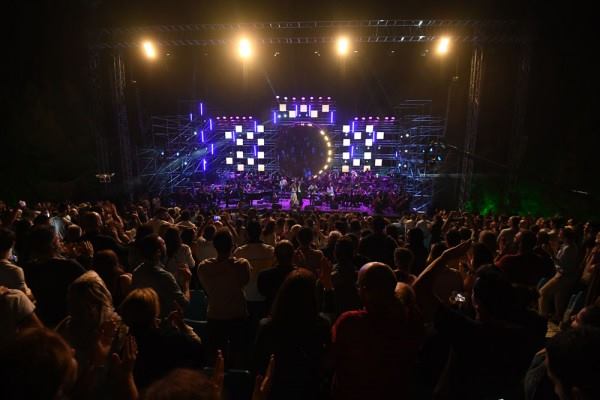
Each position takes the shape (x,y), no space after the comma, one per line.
(294,196)
(330,192)
(312,190)
(283,184)
(300,192)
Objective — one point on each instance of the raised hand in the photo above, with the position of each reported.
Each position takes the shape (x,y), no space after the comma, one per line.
(104,342)
(218,375)
(262,385)
(457,251)
(123,364)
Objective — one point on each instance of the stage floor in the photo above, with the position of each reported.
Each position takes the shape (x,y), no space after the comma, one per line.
(285,206)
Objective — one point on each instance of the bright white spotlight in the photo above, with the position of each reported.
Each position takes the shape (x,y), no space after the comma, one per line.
(443,45)
(149,50)
(245,48)
(343,46)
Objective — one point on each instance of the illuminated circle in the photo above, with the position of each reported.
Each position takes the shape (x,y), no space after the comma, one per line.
(303,150)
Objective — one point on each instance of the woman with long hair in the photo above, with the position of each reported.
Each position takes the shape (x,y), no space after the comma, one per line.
(179,255)
(106,264)
(298,336)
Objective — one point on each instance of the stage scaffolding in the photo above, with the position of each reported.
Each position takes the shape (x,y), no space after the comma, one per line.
(114,42)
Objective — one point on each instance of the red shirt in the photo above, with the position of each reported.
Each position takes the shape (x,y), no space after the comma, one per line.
(375,357)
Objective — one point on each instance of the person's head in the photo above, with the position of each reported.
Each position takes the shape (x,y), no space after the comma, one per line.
(376,286)
(185,215)
(452,238)
(140,310)
(182,384)
(494,297)
(91,222)
(465,234)
(573,363)
(333,238)
(526,240)
(344,249)
(38,364)
(378,224)
(296,304)
(305,237)
(514,222)
(141,232)
(73,233)
(153,248)
(253,229)
(41,220)
(480,255)
(209,233)
(187,236)
(43,241)
(7,241)
(567,235)
(62,209)
(90,305)
(284,253)
(106,264)
(269,228)
(403,259)
(355,226)
(172,239)
(415,238)
(488,239)
(162,213)
(587,316)
(223,243)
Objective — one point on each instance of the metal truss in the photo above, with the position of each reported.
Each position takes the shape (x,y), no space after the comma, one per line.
(364,31)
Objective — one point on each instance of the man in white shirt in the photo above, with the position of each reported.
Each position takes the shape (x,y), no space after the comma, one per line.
(260,256)
(203,248)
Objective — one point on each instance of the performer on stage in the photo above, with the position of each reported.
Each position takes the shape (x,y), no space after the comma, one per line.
(330,192)
(294,196)
(312,190)
(300,193)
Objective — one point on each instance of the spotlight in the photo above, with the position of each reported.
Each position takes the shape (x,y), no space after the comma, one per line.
(245,48)
(443,45)
(343,46)
(149,50)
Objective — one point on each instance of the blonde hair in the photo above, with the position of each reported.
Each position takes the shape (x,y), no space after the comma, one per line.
(140,309)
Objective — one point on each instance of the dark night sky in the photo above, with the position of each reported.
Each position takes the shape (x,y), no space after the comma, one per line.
(46,143)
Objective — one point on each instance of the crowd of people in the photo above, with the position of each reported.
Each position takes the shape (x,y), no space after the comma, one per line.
(349,190)
(144,301)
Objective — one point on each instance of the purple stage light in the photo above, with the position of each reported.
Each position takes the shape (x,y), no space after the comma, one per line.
(352,128)
(356,118)
(244,118)
(201,109)
(191,116)
(254,125)
(250,117)
(212,148)
(254,150)
(351,151)
(274,117)
(363,118)
(210,123)
(320,97)
(331,117)
(329,98)
(204,164)
(218,118)
(202,136)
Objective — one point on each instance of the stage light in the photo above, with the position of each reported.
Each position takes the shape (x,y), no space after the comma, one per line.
(195,133)
(177,154)
(239,154)
(303,108)
(367,155)
(329,159)
(162,153)
(240,167)
(260,128)
(443,45)
(314,114)
(261,154)
(357,135)
(250,135)
(346,128)
(245,48)
(378,162)
(283,107)
(369,128)
(346,155)
(240,142)
(261,142)
(342,46)
(322,132)
(238,128)
(261,167)
(229,161)
(329,152)
(149,50)
(292,114)
(379,135)
(368,142)
(366,168)
(325,108)
(345,168)
(228,135)
(251,161)
(356,162)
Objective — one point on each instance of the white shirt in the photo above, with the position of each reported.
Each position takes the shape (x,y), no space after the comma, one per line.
(183,255)
(203,250)
(260,256)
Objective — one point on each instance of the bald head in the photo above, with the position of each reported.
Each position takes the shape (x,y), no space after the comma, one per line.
(377,279)
(91,222)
